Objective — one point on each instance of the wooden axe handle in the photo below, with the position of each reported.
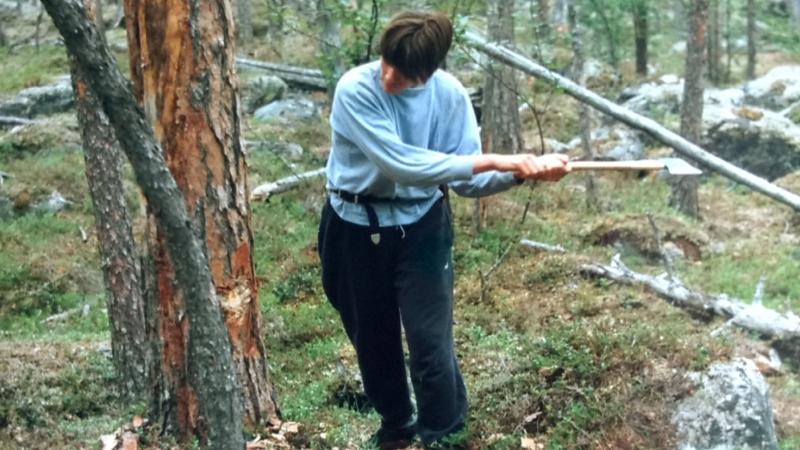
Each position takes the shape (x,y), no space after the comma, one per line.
(645,164)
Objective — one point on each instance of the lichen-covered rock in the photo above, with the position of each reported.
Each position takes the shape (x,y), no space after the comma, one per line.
(758,140)
(730,409)
(776,90)
(290,110)
(41,100)
(262,91)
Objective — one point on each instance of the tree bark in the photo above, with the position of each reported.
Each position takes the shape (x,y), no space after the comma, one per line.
(684,189)
(184,59)
(500,124)
(213,387)
(584,114)
(794,10)
(330,46)
(543,14)
(244,21)
(130,342)
(640,31)
(752,37)
(610,33)
(651,127)
(713,43)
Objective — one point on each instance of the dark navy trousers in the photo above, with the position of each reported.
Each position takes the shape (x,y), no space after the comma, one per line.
(407,278)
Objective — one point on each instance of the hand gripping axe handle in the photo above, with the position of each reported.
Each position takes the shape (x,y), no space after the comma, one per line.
(674,166)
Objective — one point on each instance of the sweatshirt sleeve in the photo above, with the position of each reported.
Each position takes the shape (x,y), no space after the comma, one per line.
(358,115)
(464,133)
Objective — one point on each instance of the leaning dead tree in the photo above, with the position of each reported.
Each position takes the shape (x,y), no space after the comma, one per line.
(753,317)
(658,132)
(211,370)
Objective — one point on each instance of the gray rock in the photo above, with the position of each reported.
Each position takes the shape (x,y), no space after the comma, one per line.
(55,203)
(6,207)
(626,147)
(729,410)
(290,110)
(760,141)
(263,90)
(41,100)
(776,90)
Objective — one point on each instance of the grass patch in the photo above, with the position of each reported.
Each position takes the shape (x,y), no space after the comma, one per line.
(26,67)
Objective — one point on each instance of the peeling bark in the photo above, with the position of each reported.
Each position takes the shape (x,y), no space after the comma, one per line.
(210,366)
(183,58)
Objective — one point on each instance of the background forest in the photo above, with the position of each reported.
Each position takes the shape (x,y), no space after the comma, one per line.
(555,355)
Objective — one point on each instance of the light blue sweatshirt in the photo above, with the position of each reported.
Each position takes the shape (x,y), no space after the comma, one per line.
(403,146)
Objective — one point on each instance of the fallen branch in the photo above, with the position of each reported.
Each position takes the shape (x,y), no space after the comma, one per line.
(264,191)
(753,317)
(82,310)
(298,76)
(542,246)
(14,121)
(658,132)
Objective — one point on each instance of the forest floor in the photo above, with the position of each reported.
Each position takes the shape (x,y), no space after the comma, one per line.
(552,359)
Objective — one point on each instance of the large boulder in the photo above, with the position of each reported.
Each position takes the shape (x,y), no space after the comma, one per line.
(262,90)
(730,409)
(290,110)
(41,100)
(776,90)
(758,140)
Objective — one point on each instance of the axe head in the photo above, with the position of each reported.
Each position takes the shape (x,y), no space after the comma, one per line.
(679,167)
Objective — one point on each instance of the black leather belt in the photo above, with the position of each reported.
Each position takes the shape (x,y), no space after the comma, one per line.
(367,200)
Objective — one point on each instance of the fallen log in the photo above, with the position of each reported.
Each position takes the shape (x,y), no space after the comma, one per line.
(300,77)
(14,121)
(264,191)
(753,317)
(658,132)
(542,246)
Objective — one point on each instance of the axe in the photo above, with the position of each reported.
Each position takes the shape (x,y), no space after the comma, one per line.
(674,166)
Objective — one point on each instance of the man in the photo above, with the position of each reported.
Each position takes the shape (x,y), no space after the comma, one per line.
(400,129)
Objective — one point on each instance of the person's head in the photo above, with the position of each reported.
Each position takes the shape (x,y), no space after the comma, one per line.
(413,45)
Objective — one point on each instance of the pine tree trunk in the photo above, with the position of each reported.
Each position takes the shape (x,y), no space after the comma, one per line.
(330,45)
(183,60)
(584,114)
(501,129)
(794,10)
(714,43)
(213,388)
(244,21)
(751,39)
(543,14)
(640,31)
(500,124)
(130,347)
(684,189)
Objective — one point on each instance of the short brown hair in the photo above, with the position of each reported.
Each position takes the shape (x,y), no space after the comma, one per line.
(416,43)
